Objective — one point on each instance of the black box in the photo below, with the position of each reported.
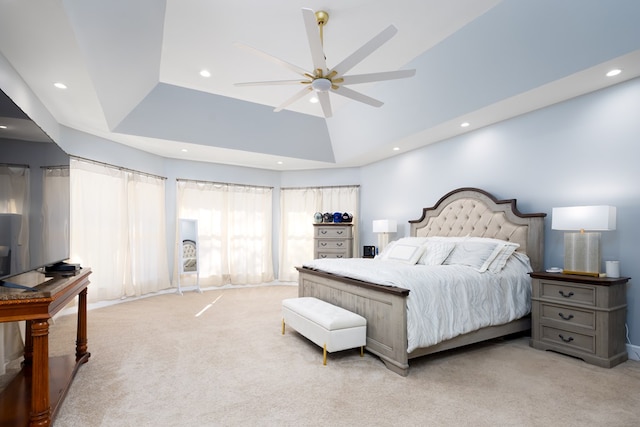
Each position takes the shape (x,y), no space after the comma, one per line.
(368,251)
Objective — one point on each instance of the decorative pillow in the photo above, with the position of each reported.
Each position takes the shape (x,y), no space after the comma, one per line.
(472,253)
(435,252)
(408,252)
(498,263)
(385,252)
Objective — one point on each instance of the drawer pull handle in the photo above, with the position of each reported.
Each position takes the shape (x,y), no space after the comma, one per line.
(569,317)
(569,295)
(339,244)
(565,339)
(323,231)
(338,256)
(323,243)
(339,231)
(323,256)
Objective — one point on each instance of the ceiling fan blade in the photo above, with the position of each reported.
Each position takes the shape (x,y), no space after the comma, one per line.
(315,44)
(367,49)
(273,82)
(325,104)
(293,99)
(376,77)
(268,57)
(357,96)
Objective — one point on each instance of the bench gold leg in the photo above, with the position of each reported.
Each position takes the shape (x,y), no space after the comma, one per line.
(283,326)
(324,355)
(361,351)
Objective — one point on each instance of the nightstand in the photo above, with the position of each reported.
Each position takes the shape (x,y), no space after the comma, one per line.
(580,316)
(333,240)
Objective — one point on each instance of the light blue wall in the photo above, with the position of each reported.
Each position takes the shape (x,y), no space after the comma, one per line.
(585,151)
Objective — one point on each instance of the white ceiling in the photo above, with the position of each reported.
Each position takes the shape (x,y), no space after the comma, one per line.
(132,70)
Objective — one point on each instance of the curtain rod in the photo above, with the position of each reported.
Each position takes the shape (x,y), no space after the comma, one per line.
(55,167)
(313,188)
(200,181)
(121,168)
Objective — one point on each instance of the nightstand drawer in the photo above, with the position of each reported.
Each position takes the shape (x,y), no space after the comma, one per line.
(568,293)
(574,340)
(333,231)
(568,315)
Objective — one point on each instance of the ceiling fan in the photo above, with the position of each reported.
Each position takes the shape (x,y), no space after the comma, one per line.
(323,80)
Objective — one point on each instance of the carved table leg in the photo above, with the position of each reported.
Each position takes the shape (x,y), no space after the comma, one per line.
(81,341)
(40,414)
(28,344)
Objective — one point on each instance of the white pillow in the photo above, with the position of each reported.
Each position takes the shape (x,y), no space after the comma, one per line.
(500,255)
(475,254)
(435,252)
(387,249)
(499,261)
(408,252)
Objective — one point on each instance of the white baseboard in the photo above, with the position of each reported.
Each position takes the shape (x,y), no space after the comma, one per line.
(633,351)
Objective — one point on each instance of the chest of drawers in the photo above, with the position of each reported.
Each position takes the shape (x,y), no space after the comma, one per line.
(333,240)
(580,316)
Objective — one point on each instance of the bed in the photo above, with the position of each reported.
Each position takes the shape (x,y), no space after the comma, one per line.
(463,213)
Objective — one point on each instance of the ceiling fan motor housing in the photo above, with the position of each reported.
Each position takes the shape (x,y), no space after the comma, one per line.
(321,85)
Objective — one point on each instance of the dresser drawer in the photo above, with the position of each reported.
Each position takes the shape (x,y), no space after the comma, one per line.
(574,340)
(343,254)
(332,244)
(567,293)
(333,231)
(567,315)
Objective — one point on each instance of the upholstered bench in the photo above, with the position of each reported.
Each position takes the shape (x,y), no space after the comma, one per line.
(331,327)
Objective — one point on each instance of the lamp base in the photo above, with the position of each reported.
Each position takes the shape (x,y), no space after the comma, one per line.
(582,254)
(383,241)
(582,273)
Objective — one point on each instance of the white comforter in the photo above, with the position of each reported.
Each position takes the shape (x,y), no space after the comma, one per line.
(445,300)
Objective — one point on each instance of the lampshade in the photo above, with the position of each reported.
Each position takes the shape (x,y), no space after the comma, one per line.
(594,218)
(385,226)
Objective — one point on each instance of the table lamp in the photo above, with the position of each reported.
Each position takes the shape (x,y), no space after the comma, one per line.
(582,248)
(383,227)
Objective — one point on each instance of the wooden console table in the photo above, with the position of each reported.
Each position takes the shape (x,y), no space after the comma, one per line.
(33,397)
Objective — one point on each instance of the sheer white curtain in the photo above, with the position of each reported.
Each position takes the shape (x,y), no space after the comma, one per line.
(55,207)
(297,206)
(15,181)
(14,199)
(118,229)
(234,231)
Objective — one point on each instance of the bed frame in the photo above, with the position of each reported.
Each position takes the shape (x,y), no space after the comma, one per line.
(462,212)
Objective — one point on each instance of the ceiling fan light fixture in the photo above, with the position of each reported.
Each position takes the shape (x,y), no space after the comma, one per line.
(321,85)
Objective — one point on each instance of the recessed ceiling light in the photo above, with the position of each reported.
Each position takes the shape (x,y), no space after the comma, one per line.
(614,72)
(279,162)
(205,73)
(184,150)
(313,100)
(396,148)
(3,127)
(464,125)
(60,85)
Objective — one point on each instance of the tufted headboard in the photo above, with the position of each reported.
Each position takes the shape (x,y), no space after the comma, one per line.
(474,212)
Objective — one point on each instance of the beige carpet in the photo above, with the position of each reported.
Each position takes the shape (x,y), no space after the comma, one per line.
(154,363)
